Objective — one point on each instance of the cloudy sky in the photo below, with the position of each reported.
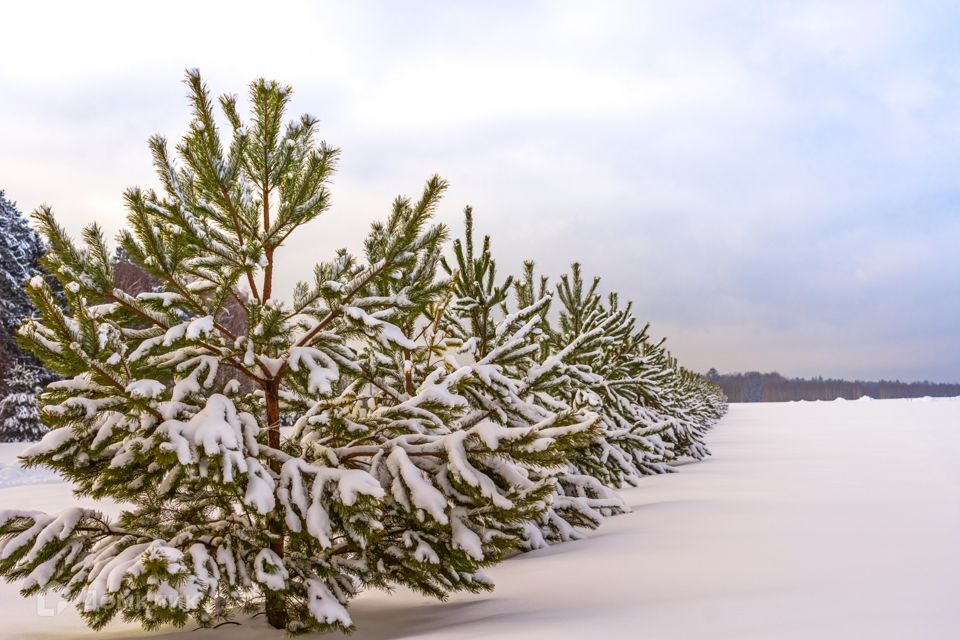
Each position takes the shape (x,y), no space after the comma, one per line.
(775,185)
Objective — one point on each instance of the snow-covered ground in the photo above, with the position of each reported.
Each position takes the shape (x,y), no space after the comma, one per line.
(12,474)
(811,520)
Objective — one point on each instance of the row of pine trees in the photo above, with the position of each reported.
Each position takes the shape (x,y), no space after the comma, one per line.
(440,415)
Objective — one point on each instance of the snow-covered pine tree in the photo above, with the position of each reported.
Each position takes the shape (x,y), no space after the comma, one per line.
(666,389)
(476,317)
(19,413)
(386,479)
(463,422)
(609,366)
(20,251)
(604,373)
(654,411)
(432,410)
(591,358)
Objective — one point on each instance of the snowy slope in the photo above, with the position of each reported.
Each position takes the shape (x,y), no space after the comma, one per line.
(11,474)
(811,520)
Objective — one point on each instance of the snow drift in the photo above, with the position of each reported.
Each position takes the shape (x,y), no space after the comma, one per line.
(826,520)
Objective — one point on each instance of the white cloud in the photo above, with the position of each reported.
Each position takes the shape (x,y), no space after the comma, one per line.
(742,171)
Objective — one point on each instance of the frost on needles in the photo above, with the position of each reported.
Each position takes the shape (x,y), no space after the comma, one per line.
(440,420)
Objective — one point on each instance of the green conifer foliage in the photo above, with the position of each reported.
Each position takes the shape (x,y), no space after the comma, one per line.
(384,480)
(19,413)
(589,357)
(439,422)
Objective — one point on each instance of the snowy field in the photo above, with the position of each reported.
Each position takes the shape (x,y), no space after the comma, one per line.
(811,520)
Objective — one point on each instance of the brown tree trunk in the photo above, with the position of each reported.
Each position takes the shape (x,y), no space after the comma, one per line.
(276,604)
(408,373)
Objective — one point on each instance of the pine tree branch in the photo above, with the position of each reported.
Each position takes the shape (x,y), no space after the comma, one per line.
(333,314)
(213,350)
(385,389)
(235,218)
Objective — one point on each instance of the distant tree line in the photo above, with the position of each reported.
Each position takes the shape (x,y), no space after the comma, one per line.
(754,386)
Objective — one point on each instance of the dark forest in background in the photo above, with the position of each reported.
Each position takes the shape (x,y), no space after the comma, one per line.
(754,386)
